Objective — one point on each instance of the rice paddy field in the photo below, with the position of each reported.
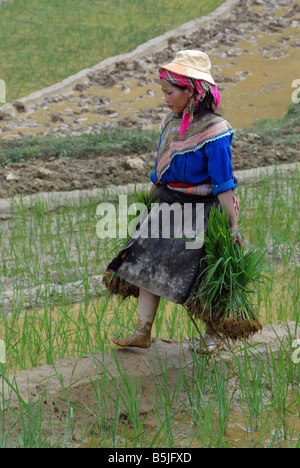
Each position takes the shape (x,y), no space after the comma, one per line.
(53,261)
(43,42)
(56,317)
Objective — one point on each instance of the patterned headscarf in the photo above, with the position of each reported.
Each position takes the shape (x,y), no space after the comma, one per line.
(201,88)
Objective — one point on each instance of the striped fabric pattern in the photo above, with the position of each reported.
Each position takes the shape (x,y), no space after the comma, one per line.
(201,189)
(204,190)
(201,131)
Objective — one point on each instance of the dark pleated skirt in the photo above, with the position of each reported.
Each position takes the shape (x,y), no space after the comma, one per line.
(163,257)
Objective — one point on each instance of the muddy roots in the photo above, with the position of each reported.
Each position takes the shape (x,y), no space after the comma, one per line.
(236,329)
(231,328)
(117,285)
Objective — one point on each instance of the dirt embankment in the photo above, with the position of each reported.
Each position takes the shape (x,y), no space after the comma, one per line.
(95,170)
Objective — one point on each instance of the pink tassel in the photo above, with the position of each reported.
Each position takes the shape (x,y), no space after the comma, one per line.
(184,123)
(216,95)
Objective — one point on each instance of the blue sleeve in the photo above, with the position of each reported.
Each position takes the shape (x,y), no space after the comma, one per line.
(153,178)
(219,168)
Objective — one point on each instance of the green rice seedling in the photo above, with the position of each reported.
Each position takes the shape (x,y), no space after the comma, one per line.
(118,406)
(46,250)
(223,397)
(228,281)
(129,390)
(201,404)
(107,409)
(167,402)
(253,390)
(143,201)
(270,213)
(280,374)
(25,426)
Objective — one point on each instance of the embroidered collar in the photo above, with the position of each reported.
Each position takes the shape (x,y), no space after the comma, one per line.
(202,130)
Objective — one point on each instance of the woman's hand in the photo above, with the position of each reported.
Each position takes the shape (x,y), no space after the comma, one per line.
(226,201)
(236,235)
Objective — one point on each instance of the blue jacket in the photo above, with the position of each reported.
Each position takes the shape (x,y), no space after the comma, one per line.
(211,163)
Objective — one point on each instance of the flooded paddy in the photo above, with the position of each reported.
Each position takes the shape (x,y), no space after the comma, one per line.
(57,322)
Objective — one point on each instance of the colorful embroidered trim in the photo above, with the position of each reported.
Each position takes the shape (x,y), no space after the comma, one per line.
(201,131)
(201,189)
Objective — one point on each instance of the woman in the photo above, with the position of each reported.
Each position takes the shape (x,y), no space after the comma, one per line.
(193,169)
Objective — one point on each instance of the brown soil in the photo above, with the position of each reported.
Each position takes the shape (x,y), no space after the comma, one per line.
(117,285)
(229,329)
(97,171)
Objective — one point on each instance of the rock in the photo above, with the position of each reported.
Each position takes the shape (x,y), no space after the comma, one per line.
(135,163)
(234,52)
(109,112)
(80,120)
(43,173)
(20,106)
(253,136)
(81,87)
(11,137)
(284,2)
(7,112)
(11,176)
(56,117)
(102,101)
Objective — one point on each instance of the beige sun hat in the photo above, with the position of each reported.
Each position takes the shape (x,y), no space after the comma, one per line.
(191,63)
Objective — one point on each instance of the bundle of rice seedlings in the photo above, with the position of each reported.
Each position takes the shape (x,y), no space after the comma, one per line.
(117,285)
(228,280)
(111,280)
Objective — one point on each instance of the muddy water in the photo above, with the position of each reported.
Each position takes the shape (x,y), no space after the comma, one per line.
(255,57)
(238,434)
(268,65)
(278,304)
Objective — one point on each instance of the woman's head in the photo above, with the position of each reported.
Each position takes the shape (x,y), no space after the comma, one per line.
(188,86)
(176,97)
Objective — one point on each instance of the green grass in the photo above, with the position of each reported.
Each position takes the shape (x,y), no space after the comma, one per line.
(49,250)
(284,131)
(136,141)
(45,251)
(106,143)
(43,42)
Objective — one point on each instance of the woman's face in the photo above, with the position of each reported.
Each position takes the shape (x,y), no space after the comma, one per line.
(175,98)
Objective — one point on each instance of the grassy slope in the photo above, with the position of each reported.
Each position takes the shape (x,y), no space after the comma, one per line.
(43,42)
(137,141)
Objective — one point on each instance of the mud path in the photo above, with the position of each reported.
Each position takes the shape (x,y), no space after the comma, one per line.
(148,370)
